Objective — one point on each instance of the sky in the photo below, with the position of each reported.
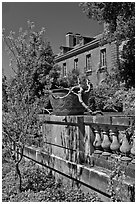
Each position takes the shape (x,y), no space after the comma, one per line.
(58,18)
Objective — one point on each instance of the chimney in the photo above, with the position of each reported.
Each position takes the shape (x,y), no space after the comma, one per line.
(69,39)
(78,36)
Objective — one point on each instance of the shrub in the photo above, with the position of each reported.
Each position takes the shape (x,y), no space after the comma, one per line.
(116,186)
(40,186)
(72,79)
(112,96)
(128,99)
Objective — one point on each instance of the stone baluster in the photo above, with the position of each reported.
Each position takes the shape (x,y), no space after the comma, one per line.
(97,141)
(106,141)
(125,149)
(115,145)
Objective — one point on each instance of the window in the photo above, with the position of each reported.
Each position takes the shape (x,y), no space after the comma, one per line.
(64,69)
(76,63)
(88,62)
(103,57)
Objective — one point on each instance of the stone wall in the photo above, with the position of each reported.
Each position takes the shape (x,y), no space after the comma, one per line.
(85,149)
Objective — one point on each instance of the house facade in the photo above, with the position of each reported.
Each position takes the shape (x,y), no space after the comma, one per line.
(87,56)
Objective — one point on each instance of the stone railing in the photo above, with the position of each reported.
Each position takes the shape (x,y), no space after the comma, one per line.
(86,147)
(105,136)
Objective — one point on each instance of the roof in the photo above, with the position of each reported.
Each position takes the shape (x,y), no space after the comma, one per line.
(79,48)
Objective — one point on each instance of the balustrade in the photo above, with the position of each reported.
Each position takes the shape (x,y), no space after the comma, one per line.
(96,137)
(114,143)
(87,147)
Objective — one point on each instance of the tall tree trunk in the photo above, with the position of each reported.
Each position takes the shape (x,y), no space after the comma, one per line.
(19,175)
(19,156)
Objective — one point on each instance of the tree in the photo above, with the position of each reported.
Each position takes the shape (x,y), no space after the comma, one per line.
(119,18)
(118,15)
(31,57)
(127,65)
(4,94)
(32,60)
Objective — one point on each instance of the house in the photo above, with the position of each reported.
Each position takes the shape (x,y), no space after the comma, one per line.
(87,56)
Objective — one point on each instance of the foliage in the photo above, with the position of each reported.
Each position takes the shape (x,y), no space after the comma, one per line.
(72,79)
(127,97)
(40,186)
(116,187)
(9,184)
(127,64)
(119,19)
(35,179)
(32,60)
(4,94)
(112,96)
(120,16)
(6,154)
(92,101)
(104,94)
